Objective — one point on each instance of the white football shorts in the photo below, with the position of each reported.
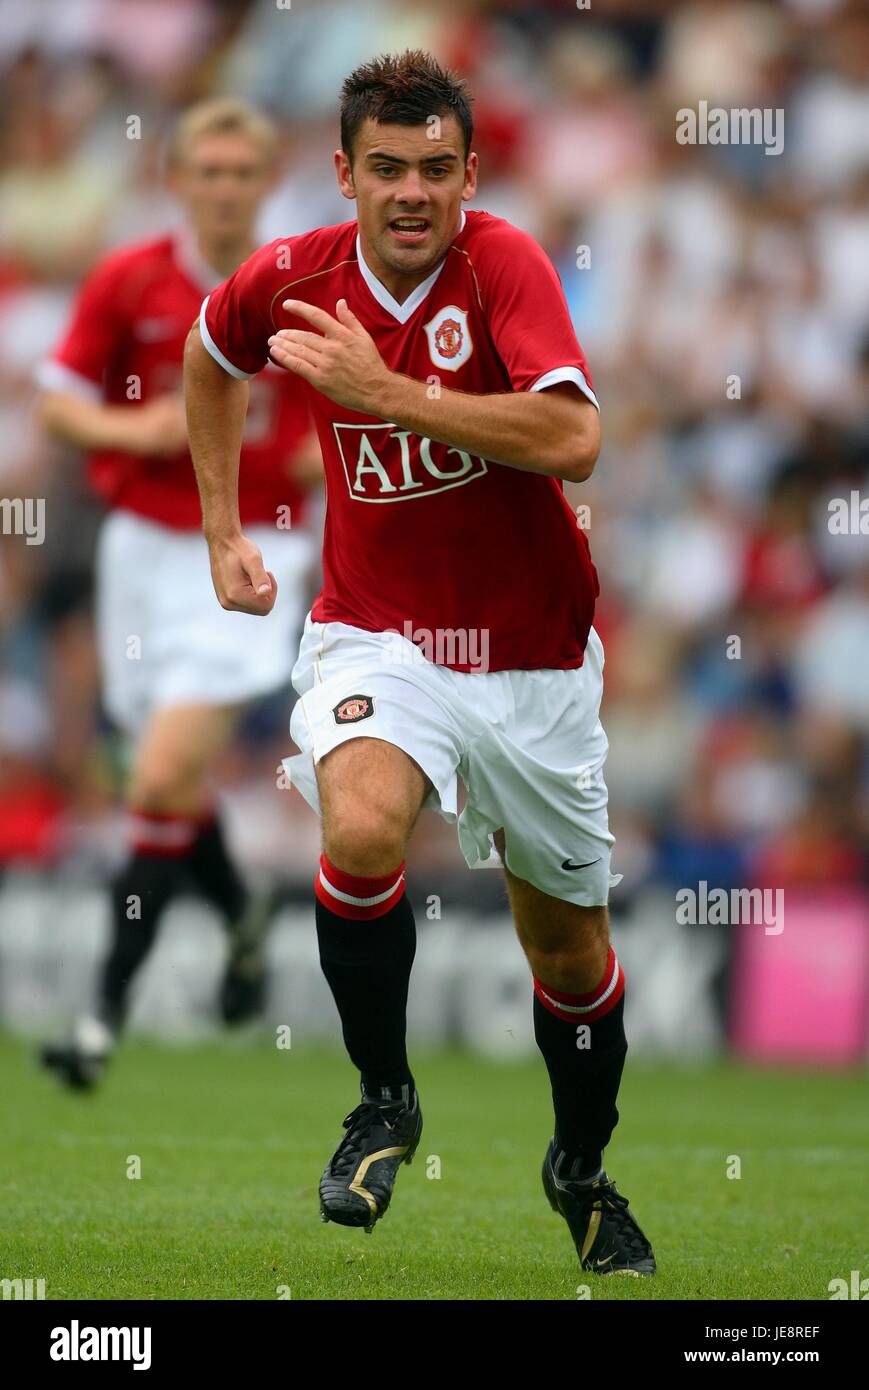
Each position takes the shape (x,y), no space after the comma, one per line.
(163,637)
(528,745)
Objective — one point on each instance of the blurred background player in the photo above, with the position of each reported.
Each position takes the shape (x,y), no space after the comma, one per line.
(709,517)
(177,670)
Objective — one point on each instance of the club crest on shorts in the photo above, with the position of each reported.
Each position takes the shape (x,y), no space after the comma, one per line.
(449,338)
(354,708)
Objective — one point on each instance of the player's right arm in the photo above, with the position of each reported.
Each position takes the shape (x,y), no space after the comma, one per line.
(71,405)
(225,347)
(154,428)
(216,411)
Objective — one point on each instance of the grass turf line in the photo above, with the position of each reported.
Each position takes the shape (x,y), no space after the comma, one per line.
(233,1138)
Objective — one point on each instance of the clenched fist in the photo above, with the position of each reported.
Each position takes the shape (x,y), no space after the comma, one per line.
(241,582)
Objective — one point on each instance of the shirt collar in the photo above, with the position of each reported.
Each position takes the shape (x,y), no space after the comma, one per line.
(402,311)
(189,259)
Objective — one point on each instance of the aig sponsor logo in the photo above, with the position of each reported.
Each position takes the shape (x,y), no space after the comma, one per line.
(385,464)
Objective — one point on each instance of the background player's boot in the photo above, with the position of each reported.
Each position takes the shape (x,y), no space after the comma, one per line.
(605,1232)
(243,987)
(80,1062)
(356,1187)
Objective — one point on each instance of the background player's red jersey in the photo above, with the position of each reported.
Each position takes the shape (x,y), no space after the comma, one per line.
(125,342)
(418,532)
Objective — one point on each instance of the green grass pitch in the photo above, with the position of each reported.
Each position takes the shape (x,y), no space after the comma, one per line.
(233,1136)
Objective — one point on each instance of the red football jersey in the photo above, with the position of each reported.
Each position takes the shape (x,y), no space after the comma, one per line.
(127,335)
(421,536)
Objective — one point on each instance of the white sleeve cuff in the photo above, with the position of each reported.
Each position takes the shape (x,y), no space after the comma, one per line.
(211,346)
(573,374)
(51,375)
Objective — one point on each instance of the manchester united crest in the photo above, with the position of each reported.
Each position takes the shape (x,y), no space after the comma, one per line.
(354,708)
(449,338)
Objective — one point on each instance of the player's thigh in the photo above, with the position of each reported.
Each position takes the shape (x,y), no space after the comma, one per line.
(378,735)
(371,793)
(538,774)
(565,943)
(175,750)
(550,924)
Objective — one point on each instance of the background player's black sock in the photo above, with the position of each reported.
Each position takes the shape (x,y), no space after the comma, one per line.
(585,1080)
(367,962)
(138,895)
(214,873)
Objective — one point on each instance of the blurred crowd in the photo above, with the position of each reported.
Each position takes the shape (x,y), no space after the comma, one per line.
(721,295)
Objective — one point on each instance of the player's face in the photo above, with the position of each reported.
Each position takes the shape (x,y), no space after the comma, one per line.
(221,180)
(409,183)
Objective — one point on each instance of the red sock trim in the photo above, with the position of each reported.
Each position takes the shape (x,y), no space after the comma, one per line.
(585,1008)
(357,898)
(162,834)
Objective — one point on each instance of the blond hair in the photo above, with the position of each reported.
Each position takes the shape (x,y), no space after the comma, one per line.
(222,116)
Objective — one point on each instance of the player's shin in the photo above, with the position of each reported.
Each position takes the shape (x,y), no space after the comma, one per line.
(367,940)
(214,872)
(582,1039)
(154,874)
(246,917)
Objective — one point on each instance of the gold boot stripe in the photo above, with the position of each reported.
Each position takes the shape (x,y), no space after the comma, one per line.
(356,1184)
(590,1234)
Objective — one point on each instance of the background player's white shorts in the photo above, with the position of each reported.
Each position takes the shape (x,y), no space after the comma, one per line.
(528,745)
(163,637)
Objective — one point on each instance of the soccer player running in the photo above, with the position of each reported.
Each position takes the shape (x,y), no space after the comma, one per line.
(452,399)
(176,670)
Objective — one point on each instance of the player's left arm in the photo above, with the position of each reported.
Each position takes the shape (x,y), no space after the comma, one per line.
(555,431)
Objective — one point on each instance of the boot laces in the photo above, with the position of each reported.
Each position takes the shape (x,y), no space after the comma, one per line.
(615,1207)
(358,1125)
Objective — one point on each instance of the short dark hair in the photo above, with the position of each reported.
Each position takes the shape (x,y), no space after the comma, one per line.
(403,89)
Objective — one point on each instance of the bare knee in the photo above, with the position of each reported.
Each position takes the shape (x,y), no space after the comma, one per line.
(160,785)
(577,966)
(370,794)
(362,838)
(567,946)
(173,755)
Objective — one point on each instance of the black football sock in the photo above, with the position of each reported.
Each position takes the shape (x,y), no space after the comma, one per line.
(582,1039)
(156,872)
(367,939)
(214,873)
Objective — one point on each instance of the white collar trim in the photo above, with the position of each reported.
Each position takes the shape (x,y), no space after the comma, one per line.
(188,258)
(402,312)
